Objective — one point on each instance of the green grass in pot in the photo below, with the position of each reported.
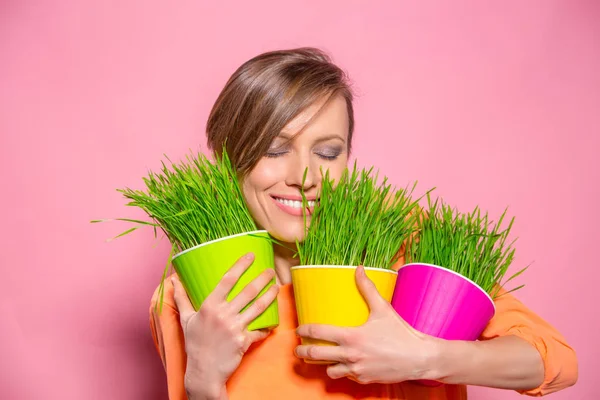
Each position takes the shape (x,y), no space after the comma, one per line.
(193,202)
(357,221)
(469,244)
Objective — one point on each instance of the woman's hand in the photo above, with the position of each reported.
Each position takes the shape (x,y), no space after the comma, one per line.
(384,350)
(216,337)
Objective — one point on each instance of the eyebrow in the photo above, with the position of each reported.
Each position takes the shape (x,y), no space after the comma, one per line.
(288,136)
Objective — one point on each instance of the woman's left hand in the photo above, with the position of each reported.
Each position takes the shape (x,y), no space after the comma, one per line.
(383,350)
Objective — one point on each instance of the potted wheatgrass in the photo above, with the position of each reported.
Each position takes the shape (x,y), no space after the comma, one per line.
(455,266)
(356,221)
(199,206)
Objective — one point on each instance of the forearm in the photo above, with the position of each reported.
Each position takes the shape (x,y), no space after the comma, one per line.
(505,363)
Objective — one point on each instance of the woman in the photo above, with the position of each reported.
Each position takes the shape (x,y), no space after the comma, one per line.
(280,113)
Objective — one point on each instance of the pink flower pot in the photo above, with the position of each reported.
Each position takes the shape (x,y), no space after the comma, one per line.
(441,303)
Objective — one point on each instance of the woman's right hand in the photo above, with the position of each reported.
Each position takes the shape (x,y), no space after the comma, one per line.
(216,337)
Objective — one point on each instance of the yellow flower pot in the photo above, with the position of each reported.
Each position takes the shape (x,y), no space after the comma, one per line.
(328,294)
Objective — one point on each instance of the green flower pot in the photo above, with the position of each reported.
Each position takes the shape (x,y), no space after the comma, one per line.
(201,268)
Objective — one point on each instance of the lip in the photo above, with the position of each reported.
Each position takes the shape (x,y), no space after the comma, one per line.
(297,212)
(293,197)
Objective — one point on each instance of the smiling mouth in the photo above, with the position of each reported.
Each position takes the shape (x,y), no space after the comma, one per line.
(294,203)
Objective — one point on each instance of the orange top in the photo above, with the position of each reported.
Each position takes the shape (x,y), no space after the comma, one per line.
(270,370)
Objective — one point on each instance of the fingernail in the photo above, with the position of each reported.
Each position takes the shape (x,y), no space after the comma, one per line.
(249,256)
(173,280)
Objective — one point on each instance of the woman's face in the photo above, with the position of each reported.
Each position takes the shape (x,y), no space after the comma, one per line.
(319,138)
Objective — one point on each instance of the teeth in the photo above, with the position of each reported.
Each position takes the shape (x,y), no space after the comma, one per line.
(295,203)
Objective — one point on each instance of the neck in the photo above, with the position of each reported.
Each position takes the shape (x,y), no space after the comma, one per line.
(284,260)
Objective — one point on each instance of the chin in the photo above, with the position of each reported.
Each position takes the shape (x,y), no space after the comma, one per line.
(287,235)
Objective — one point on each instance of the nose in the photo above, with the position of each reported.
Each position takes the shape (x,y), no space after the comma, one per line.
(303,173)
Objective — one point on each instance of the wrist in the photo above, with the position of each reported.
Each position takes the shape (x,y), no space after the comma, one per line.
(446,360)
(204,390)
(431,356)
(201,385)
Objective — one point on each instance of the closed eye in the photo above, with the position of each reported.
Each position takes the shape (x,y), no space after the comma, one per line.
(329,154)
(277,152)
(328,157)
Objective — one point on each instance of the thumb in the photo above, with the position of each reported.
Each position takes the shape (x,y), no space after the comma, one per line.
(369,291)
(184,305)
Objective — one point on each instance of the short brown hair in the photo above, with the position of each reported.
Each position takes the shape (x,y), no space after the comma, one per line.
(265,94)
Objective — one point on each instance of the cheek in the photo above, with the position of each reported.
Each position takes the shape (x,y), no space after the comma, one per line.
(337,167)
(265,175)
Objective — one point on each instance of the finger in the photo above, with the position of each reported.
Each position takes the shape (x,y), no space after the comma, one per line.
(231,277)
(338,371)
(184,305)
(328,333)
(325,353)
(259,306)
(258,335)
(252,290)
(369,291)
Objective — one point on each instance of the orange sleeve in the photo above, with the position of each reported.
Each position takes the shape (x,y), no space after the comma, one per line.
(169,341)
(560,361)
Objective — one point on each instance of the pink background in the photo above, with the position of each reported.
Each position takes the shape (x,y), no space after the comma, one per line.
(495,104)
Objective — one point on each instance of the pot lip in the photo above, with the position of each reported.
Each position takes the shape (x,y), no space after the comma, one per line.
(455,273)
(215,241)
(333,266)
